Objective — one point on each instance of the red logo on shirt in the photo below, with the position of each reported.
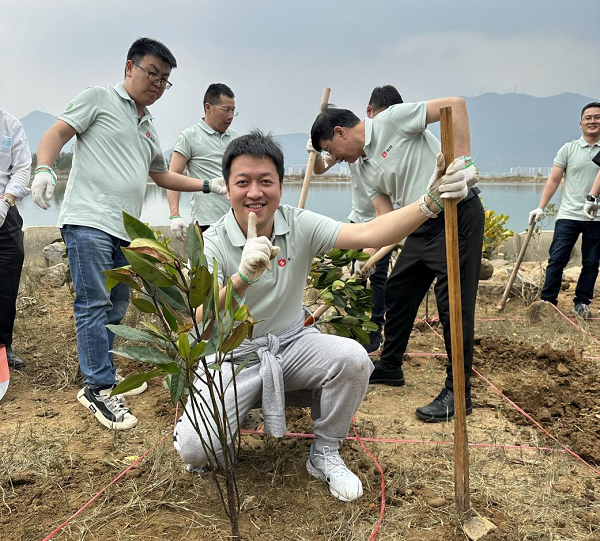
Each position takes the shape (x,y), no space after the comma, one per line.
(282,262)
(148,134)
(384,154)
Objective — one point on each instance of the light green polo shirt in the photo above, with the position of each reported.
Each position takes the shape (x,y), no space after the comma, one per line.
(362,206)
(580,172)
(277,297)
(204,149)
(400,153)
(113,155)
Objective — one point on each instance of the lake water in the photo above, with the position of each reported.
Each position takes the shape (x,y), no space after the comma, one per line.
(330,198)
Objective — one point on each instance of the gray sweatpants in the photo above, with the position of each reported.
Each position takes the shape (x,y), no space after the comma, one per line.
(338,366)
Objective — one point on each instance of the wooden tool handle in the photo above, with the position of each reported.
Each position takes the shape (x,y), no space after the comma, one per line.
(461,441)
(311,159)
(515,270)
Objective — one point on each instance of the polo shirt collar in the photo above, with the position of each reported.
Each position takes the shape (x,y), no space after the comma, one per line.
(368,135)
(584,143)
(203,124)
(125,95)
(237,238)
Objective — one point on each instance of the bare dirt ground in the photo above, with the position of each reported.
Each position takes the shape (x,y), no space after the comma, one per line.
(54,456)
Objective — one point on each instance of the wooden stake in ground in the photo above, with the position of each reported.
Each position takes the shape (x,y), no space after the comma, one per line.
(515,270)
(474,527)
(311,158)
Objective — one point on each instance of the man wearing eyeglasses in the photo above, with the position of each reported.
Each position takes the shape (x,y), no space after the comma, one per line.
(116,148)
(200,148)
(574,160)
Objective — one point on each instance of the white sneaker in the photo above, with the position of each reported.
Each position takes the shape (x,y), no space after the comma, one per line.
(110,411)
(343,484)
(138,390)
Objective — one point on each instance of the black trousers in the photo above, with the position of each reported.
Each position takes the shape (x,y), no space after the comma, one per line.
(12,254)
(423,259)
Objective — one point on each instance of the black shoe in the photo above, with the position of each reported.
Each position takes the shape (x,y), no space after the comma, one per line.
(394,377)
(14,361)
(442,408)
(374,342)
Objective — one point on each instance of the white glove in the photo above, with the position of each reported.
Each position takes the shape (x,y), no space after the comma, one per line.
(42,188)
(590,209)
(178,227)
(257,254)
(459,178)
(4,207)
(218,186)
(309,146)
(536,215)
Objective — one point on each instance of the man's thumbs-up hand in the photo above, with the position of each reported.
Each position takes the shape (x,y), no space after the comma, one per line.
(257,254)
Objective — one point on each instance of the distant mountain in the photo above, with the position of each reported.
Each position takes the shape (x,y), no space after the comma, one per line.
(507,131)
(35,125)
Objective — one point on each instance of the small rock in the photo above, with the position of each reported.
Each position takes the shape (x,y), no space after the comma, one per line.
(544,415)
(436,502)
(487,270)
(562,370)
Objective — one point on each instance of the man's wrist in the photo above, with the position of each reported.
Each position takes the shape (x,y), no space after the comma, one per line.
(591,198)
(246,279)
(206,186)
(9,198)
(173,216)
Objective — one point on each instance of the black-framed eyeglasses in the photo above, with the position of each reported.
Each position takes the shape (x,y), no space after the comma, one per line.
(226,110)
(154,78)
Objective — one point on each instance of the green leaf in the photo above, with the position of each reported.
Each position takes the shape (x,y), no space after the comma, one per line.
(178,385)
(136,229)
(241,314)
(129,333)
(146,269)
(171,296)
(197,351)
(170,317)
(183,345)
(370,326)
(362,336)
(362,256)
(236,338)
(337,285)
(143,305)
(195,246)
(152,248)
(214,366)
(121,275)
(327,296)
(135,381)
(200,285)
(341,330)
(155,330)
(145,354)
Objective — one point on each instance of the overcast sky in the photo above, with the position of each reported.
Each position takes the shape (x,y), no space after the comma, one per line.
(277,56)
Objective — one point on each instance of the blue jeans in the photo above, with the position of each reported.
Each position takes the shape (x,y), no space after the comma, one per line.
(90,251)
(566,233)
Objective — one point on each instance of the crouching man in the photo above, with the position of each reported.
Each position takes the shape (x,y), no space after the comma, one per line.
(289,356)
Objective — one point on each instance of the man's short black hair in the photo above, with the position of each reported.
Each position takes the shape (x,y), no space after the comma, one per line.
(330,117)
(143,46)
(214,91)
(384,96)
(589,106)
(256,144)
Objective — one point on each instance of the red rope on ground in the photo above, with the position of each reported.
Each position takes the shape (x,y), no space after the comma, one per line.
(523,412)
(575,325)
(94,498)
(506,447)
(382,510)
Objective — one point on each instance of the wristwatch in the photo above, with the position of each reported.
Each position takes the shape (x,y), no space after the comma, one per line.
(206,187)
(9,200)
(591,198)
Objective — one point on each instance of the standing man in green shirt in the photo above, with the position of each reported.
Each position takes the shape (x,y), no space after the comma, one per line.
(200,148)
(397,150)
(574,160)
(116,148)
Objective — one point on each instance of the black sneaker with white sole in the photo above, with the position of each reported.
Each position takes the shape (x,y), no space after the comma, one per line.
(110,411)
